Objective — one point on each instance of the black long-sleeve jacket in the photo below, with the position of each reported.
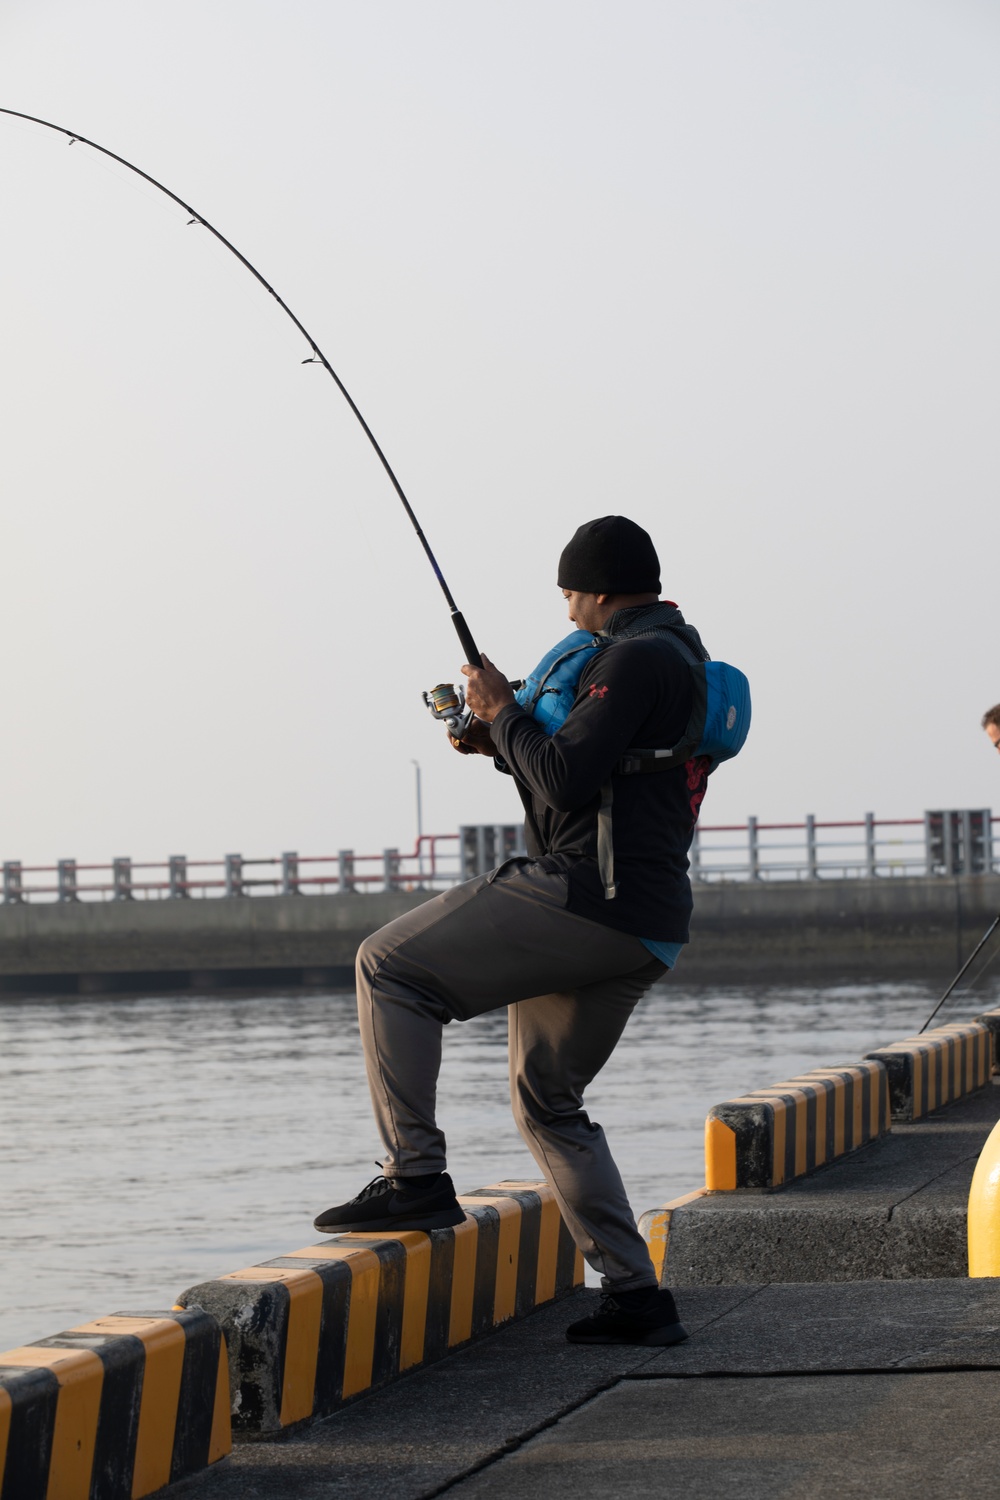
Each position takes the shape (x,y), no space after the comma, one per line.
(635,693)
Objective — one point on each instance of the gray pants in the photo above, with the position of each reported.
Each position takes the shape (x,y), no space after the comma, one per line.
(570,986)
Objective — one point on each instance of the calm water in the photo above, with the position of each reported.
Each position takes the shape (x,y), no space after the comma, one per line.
(149,1144)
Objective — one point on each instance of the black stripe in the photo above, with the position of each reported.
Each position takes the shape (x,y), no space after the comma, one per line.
(389,1311)
(331,1358)
(791,1126)
(866,1107)
(838,1087)
(33,1395)
(810,1092)
(439,1294)
(196,1402)
(484,1295)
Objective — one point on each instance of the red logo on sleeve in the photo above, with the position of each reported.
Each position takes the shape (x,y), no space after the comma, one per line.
(598,692)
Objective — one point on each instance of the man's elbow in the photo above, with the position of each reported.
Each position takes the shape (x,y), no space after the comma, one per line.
(570,797)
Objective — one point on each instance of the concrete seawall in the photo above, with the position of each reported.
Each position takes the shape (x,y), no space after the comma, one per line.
(792,931)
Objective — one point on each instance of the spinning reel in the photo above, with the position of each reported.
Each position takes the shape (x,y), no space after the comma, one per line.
(447,704)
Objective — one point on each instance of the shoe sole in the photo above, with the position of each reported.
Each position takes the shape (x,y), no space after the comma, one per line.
(446,1218)
(656,1338)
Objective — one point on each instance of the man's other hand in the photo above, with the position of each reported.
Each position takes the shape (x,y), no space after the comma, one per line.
(488,690)
(475,741)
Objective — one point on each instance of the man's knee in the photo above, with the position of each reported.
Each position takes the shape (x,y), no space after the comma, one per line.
(376,951)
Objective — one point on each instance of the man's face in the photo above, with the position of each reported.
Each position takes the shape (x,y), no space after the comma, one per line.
(993,731)
(584,609)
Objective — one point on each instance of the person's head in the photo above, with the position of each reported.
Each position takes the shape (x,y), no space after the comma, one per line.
(991,723)
(608,564)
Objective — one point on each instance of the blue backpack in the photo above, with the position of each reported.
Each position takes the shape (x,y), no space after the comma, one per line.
(717,728)
(720,713)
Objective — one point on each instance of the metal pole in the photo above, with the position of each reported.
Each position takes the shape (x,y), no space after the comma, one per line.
(977,949)
(420,822)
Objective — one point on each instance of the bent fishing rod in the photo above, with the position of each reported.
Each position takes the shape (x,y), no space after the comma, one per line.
(472,655)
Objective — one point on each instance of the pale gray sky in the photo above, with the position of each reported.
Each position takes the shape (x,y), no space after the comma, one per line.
(727,268)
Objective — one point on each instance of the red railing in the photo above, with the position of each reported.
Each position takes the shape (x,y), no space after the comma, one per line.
(431,864)
(940,843)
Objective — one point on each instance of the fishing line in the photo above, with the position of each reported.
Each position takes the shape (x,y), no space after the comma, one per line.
(316,358)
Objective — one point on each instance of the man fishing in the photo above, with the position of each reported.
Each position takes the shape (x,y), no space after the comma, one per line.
(570,937)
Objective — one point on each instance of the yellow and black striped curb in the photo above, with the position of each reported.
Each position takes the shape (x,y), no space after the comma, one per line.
(929,1071)
(991,1020)
(654,1227)
(768,1138)
(311,1330)
(114,1409)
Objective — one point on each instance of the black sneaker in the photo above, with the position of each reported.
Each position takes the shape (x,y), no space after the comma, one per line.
(387,1204)
(647,1316)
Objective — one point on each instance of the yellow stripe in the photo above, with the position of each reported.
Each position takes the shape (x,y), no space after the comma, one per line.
(508,1247)
(305,1310)
(917,1082)
(720,1156)
(361,1318)
(657,1237)
(858,1117)
(463,1282)
(81,1377)
(221,1440)
(164,1343)
(548,1250)
(362,1311)
(416,1292)
(839,1107)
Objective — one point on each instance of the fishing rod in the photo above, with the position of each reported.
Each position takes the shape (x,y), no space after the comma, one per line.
(472,655)
(968,963)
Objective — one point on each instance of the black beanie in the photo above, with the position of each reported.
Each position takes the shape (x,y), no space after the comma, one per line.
(610,556)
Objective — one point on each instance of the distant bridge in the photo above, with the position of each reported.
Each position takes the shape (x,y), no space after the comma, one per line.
(949,842)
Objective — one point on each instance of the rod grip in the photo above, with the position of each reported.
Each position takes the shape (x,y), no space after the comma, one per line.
(469,646)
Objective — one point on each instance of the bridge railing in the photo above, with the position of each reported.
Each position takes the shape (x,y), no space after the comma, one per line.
(949,842)
(433,864)
(946,842)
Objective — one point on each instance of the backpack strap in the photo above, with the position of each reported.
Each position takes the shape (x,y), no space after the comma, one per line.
(640,762)
(605,844)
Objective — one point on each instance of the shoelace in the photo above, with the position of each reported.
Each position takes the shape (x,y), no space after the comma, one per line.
(377,1186)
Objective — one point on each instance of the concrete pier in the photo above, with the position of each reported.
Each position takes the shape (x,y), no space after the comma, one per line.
(791,931)
(884,1389)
